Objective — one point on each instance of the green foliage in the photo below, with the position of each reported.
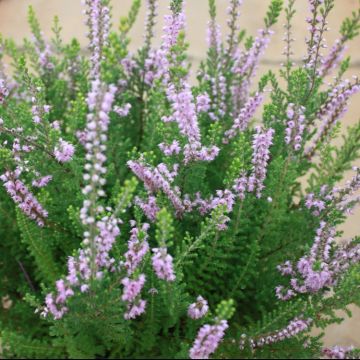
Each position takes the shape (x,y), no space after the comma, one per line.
(126,23)
(227,253)
(273,12)
(337,159)
(351,26)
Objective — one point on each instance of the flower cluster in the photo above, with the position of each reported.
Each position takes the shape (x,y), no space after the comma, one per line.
(245,115)
(317,27)
(64,151)
(337,352)
(330,113)
(4,91)
(295,327)
(98,21)
(208,340)
(332,60)
(21,195)
(295,126)
(138,247)
(42,182)
(261,155)
(202,167)
(162,263)
(158,179)
(198,309)
(322,268)
(184,114)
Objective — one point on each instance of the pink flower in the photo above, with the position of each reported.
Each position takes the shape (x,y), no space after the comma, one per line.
(163,264)
(42,181)
(123,111)
(132,288)
(134,310)
(64,151)
(199,309)
(208,340)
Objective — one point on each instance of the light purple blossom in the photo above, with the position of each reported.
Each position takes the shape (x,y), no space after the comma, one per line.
(184,114)
(208,340)
(240,186)
(295,126)
(295,327)
(330,113)
(24,199)
(242,121)
(332,60)
(162,263)
(98,22)
(173,148)
(4,91)
(138,247)
(317,28)
(247,61)
(149,207)
(132,288)
(337,352)
(198,309)
(158,179)
(202,103)
(262,141)
(123,111)
(135,309)
(43,181)
(64,151)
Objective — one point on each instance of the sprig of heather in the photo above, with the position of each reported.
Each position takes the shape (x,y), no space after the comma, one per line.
(294,328)
(317,27)
(330,113)
(295,126)
(138,247)
(151,14)
(22,196)
(322,268)
(184,114)
(338,352)
(158,62)
(215,74)
(100,231)
(198,309)
(233,11)
(288,38)
(162,263)
(242,120)
(100,104)
(98,22)
(4,91)
(349,29)
(246,61)
(245,64)
(158,179)
(208,339)
(213,33)
(341,199)
(262,141)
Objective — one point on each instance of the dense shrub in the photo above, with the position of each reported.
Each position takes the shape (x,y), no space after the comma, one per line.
(145,217)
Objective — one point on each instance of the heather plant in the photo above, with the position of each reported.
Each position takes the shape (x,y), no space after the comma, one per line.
(144,216)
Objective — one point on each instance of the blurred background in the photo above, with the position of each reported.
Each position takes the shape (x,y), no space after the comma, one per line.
(13,23)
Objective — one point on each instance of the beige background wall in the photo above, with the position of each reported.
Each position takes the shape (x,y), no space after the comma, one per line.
(13,24)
